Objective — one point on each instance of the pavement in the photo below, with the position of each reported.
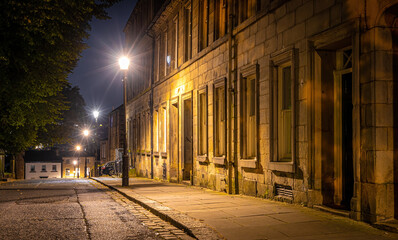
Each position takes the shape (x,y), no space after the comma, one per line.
(207,214)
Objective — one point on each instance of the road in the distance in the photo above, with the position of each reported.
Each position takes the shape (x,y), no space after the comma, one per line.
(64,209)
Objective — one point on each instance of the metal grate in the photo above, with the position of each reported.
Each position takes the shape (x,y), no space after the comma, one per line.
(283,191)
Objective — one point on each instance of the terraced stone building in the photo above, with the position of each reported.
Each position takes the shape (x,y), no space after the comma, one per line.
(285,99)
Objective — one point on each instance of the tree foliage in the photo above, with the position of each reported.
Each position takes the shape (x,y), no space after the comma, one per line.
(40,43)
(68,128)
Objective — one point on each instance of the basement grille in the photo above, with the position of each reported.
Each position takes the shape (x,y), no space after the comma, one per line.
(283,191)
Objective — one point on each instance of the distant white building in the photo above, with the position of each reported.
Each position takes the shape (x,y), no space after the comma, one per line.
(42,164)
(37,170)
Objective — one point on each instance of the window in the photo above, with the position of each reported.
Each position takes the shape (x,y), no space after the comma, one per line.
(175,42)
(54,169)
(148,132)
(282,111)
(163,129)
(43,168)
(142,134)
(155,131)
(220,18)
(249,114)
(187,32)
(67,172)
(246,9)
(202,122)
(157,59)
(219,119)
(166,54)
(203,24)
(67,161)
(32,168)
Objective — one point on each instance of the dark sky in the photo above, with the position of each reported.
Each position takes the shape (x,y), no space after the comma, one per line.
(97,73)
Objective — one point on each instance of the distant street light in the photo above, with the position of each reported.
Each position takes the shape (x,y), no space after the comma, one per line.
(124,63)
(96,114)
(85,132)
(78,148)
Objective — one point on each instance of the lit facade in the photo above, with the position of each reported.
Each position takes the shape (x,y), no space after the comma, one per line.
(292,100)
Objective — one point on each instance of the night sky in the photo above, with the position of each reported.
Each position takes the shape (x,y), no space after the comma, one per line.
(97,73)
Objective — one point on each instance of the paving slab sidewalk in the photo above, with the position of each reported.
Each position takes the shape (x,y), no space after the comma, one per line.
(207,214)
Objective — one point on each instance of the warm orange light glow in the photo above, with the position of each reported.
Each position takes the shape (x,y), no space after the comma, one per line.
(85,132)
(78,147)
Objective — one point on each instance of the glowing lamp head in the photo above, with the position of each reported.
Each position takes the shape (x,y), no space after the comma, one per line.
(124,63)
(74,162)
(85,132)
(78,147)
(96,114)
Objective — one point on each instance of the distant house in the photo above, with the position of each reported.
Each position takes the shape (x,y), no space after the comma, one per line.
(74,164)
(42,164)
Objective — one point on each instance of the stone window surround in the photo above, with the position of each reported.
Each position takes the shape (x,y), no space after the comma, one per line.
(222,82)
(246,71)
(279,58)
(204,157)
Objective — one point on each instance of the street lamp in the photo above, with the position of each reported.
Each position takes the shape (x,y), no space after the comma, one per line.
(78,147)
(124,63)
(74,172)
(85,133)
(96,114)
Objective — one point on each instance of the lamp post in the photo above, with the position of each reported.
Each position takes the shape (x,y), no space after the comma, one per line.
(74,171)
(85,134)
(124,65)
(96,114)
(78,160)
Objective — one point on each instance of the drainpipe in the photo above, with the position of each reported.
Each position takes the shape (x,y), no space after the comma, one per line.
(231,109)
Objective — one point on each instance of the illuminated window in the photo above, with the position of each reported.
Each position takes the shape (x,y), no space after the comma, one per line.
(219,119)
(187,31)
(203,24)
(202,122)
(67,172)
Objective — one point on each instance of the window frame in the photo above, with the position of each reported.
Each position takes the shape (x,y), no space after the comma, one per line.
(188,31)
(156,148)
(202,156)
(219,20)
(278,61)
(203,25)
(217,158)
(246,72)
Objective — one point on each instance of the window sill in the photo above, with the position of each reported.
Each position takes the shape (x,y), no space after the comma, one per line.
(219,160)
(54,171)
(282,166)
(248,163)
(163,154)
(202,159)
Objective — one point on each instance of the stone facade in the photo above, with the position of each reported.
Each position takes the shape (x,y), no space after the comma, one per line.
(116,131)
(293,100)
